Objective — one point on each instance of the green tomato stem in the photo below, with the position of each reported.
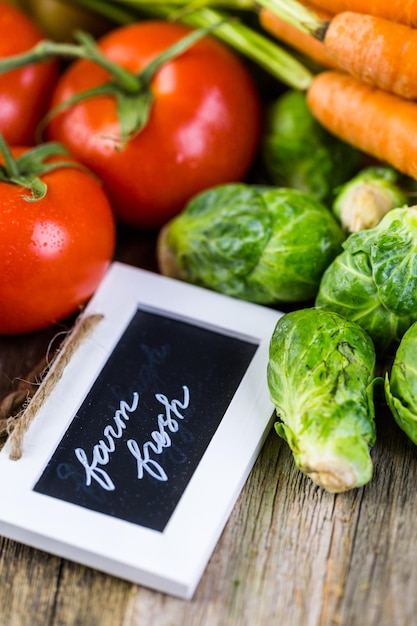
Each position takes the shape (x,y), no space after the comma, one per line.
(146,75)
(273,58)
(132,92)
(26,170)
(126,80)
(46,50)
(10,168)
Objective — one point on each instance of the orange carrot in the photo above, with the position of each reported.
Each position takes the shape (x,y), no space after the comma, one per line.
(375,50)
(376,122)
(404,11)
(304,43)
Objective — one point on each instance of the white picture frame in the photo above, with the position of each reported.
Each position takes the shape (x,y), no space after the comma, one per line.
(173,560)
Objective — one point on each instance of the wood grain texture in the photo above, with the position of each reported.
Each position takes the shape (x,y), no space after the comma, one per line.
(291,554)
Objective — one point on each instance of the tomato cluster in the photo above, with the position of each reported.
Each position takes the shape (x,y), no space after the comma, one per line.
(202,129)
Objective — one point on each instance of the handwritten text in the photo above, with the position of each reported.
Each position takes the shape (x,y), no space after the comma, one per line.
(160,439)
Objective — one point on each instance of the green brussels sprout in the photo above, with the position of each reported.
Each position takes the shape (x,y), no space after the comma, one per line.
(320,376)
(262,244)
(401,384)
(374,280)
(298,152)
(364,200)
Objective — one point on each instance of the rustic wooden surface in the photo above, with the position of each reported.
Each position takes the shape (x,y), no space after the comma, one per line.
(291,554)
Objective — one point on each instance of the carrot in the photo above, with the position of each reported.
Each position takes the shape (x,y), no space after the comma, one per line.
(302,42)
(404,11)
(376,122)
(375,50)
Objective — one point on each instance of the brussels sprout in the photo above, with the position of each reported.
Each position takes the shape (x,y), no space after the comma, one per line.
(298,152)
(374,281)
(320,376)
(262,244)
(401,384)
(363,201)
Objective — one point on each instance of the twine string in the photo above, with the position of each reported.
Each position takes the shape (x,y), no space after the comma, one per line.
(33,392)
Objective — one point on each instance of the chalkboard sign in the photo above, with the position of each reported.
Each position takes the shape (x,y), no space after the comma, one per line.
(140,433)
(138,453)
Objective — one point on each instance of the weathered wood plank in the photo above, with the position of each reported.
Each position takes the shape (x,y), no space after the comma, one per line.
(37,589)
(293,554)
(290,554)
(90,598)
(28,584)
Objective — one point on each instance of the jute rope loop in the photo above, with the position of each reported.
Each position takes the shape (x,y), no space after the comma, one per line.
(15,427)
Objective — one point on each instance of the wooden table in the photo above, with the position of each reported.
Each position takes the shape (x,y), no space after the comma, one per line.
(291,554)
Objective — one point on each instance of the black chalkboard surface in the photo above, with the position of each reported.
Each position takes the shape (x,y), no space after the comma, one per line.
(140,443)
(141,431)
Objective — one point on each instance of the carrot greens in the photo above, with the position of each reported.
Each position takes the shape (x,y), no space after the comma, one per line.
(248,41)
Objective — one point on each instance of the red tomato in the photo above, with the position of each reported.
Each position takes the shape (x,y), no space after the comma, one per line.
(203,128)
(53,252)
(24,93)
